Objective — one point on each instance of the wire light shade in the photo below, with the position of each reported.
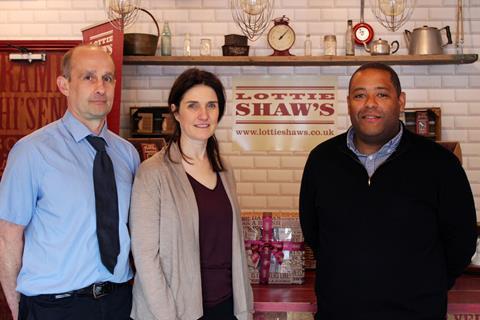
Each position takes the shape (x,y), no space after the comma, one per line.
(252,16)
(122,13)
(392,14)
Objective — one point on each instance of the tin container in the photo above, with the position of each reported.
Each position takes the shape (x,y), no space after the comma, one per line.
(236,40)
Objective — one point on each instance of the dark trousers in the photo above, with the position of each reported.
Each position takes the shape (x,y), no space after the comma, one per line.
(221,311)
(114,306)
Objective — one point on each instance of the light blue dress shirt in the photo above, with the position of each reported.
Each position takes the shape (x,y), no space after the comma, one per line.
(372,161)
(47,187)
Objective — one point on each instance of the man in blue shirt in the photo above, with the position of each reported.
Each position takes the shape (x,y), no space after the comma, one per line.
(50,262)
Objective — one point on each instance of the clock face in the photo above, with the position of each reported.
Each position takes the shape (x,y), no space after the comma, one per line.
(281,37)
(362,34)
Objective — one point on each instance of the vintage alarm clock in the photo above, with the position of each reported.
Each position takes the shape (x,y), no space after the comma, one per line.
(281,37)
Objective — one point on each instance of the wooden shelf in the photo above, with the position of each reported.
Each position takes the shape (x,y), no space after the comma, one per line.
(298,61)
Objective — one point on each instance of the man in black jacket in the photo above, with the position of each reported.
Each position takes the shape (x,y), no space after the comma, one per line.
(389,214)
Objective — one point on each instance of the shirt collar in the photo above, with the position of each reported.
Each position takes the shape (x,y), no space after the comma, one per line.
(79,131)
(390,145)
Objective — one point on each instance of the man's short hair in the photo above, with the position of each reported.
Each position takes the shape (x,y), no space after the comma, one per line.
(67,59)
(379,66)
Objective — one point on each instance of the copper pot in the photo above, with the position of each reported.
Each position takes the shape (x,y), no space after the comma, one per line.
(141,44)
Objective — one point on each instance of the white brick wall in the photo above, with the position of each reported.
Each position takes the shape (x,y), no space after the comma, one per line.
(271,180)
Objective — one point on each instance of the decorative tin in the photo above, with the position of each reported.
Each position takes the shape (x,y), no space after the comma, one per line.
(424,121)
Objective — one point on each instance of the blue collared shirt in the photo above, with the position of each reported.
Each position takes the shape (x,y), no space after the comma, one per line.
(372,161)
(47,186)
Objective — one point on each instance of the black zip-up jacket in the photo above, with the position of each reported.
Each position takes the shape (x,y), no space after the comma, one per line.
(389,246)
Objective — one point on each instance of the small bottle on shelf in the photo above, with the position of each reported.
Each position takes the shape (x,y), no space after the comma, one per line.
(187,50)
(349,40)
(166,40)
(308,45)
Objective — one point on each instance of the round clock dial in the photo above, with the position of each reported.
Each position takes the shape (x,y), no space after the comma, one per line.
(281,37)
(362,34)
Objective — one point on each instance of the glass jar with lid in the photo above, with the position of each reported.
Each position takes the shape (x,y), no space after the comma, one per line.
(330,45)
(205,47)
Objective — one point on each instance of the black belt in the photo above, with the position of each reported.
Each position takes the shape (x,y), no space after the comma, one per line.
(96,290)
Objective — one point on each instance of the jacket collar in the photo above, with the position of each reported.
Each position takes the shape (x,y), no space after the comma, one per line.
(175,154)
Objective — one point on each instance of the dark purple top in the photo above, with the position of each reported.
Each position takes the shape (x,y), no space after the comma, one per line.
(215,224)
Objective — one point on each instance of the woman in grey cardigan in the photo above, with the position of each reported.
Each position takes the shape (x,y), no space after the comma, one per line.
(185,223)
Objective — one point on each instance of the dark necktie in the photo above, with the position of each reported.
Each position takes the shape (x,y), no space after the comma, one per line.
(106,204)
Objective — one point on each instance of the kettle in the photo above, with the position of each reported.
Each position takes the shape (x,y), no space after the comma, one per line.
(381,47)
(427,40)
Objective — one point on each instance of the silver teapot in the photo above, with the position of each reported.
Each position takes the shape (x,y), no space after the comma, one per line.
(427,40)
(381,47)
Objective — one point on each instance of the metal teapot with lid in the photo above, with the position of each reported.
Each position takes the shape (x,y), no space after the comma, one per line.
(381,47)
(427,40)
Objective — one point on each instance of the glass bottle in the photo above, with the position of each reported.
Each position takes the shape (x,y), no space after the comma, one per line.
(166,40)
(187,50)
(349,40)
(308,46)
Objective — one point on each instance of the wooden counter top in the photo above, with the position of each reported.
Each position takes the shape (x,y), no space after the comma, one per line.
(463,299)
(286,297)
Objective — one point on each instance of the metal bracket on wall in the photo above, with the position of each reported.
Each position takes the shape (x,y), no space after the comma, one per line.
(30,57)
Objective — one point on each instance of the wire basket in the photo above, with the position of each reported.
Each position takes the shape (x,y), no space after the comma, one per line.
(392,14)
